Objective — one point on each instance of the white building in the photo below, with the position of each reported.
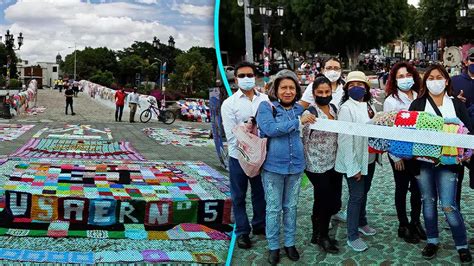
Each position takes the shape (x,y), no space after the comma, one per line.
(50,73)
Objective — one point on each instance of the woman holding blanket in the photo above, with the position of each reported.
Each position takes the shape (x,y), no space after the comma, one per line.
(402,88)
(280,121)
(353,158)
(320,153)
(438,181)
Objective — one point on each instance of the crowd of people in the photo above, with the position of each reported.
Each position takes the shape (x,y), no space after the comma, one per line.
(284,116)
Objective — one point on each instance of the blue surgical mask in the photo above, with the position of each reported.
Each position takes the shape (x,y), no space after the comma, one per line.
(405,84)
(246,83)
(471,68)
(357,93)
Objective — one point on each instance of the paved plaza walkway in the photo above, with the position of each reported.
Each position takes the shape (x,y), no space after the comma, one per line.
(384,248)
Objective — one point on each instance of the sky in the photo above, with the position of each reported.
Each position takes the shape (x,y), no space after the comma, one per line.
(413,2)
(50,27)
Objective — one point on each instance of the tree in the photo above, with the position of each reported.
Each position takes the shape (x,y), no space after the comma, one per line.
(440,19)
(105,78)
(350,27)
(193,73)
(128,66)
(89,61)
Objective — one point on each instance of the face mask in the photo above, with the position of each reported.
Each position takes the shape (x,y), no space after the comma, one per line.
(323,100)
(405,84)
(357,93)
(436,87)
(471,68)
(332,75)
(246,83)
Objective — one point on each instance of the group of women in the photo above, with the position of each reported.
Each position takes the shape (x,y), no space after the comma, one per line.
(328,158)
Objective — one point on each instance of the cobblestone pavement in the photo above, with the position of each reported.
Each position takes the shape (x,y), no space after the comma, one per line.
(384,248)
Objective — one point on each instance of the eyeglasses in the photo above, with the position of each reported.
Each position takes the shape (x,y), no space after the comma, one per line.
(243,75)
(332,68)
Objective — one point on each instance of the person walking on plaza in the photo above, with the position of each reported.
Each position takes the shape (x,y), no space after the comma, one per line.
(279,121)
(320,152)
(69,94)
(437,181)
(402,88)
(75,88)
(353,159)
(119,104)
(238,108)
(133,102)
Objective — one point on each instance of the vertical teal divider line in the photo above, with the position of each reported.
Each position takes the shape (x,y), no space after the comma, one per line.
(218,47)
(227,87)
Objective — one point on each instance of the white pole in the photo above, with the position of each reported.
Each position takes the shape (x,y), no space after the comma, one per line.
(75,61)
(248,34)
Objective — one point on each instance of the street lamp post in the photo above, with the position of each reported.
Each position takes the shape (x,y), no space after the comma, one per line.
(10,47)
(75,60)
(248,10)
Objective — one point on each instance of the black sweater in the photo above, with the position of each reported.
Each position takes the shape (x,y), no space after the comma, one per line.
(461,111)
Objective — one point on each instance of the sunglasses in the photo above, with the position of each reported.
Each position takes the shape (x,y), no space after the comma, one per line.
(248,75)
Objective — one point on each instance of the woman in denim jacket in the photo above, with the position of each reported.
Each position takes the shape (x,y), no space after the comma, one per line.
(280,121)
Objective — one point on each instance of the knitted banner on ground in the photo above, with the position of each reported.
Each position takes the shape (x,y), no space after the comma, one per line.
(77,149)
(84,132)
(185,136)
(12,131)
(155,194)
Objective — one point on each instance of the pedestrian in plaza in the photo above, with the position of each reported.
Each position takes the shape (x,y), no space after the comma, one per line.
(119,104)
(353,159)
(320,152)
(238,108)
(60,85)
(75,88)
(402,88)
(331,70)
(437,181)
(69,94)
(133,102)
(279,121)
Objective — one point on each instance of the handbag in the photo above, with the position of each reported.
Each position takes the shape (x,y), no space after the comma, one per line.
(252,148)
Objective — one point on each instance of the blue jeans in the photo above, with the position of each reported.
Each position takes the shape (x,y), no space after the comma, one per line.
(238,192)
(356,207)
(281,193)
(439,182)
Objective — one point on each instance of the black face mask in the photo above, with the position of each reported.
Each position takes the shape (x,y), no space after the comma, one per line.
(323,100)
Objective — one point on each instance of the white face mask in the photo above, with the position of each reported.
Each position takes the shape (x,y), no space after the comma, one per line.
(332,75)
(436,87)
(246,83)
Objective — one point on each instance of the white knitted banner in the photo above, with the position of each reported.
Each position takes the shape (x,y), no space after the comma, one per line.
(395,133)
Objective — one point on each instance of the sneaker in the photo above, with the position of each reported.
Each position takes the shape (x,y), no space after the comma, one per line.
(430,251)
(464,255)
(357,245)
(367,230)
(340,216)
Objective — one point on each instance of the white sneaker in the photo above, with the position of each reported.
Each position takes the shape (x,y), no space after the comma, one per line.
(340,216)
(367,230)
(358,245)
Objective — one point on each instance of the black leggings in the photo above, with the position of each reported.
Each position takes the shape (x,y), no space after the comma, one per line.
(327,197)
(405,180)
(69,103)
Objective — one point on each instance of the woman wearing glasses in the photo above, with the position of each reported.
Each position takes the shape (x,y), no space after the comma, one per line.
(331,70)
